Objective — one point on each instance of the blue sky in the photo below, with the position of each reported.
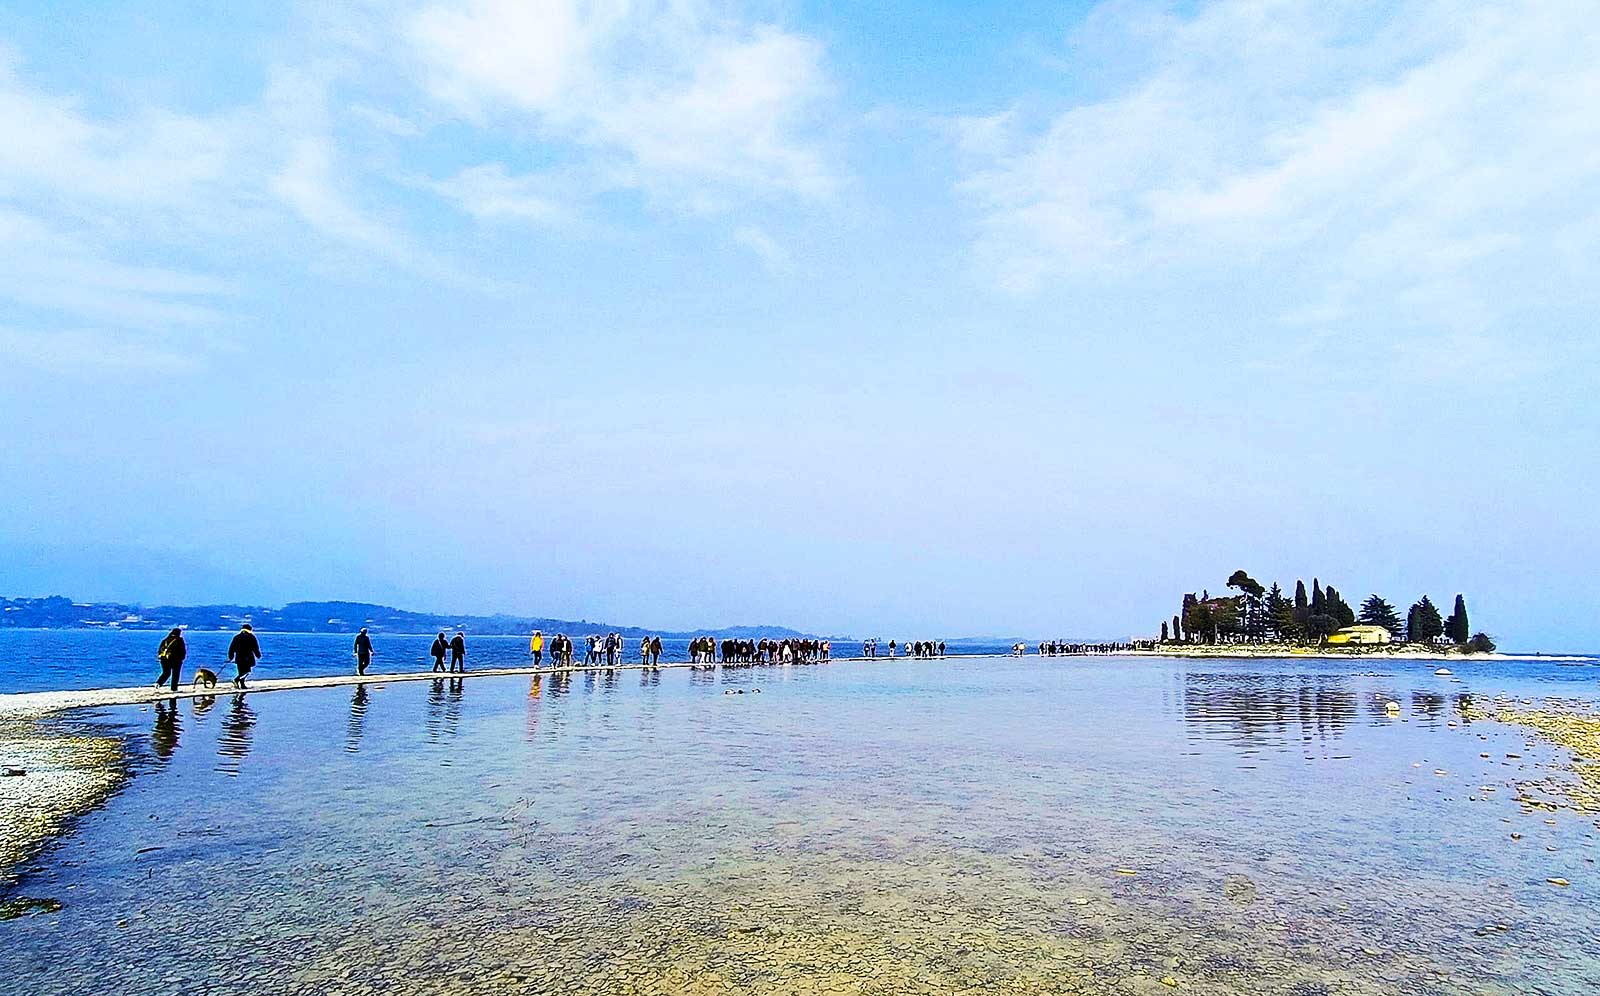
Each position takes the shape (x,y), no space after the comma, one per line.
(920,318)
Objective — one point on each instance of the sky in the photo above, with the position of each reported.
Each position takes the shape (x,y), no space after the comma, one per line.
(897,319)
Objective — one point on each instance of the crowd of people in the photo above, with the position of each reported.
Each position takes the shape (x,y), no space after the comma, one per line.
(1061,648)
(909,648)
(608,651)
(703,651)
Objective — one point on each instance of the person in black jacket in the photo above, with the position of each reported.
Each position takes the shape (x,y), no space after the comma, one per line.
(440,647)
(458,652)
(244,651)
(171,654)
(363,651)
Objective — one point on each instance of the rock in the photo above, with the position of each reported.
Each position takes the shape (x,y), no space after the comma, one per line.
(1563,883)
(10,772)
(1168,980)
(1443,672)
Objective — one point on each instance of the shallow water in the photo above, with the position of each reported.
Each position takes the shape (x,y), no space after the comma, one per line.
(956,826)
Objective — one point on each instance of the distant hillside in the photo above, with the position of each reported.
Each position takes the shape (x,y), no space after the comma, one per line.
(58,612)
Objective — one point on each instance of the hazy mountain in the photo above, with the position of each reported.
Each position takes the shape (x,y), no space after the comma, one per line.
(58,612)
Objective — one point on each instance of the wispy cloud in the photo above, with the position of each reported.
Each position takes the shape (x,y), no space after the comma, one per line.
(697,108)
(1421,153)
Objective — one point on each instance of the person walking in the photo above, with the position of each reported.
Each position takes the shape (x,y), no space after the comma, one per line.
(244,651)
(655,651)
(440,647)
(363,651)
(536,647)
(171,654)
(458,652)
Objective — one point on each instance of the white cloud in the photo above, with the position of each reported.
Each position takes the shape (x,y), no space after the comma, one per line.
(56,271)
(1400,151)
(698,108)
(488,193)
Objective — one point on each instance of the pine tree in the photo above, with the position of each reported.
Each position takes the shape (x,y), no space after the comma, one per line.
(1423,622)
(1456,627)
(1377,612)
(1272,609)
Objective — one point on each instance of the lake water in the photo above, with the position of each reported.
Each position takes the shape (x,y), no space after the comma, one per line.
(33,660)
(1092,825)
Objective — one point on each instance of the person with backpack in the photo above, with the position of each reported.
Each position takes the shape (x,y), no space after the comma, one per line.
(171,654)
(440,647)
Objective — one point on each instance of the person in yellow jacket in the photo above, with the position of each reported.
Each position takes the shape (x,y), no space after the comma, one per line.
(536,647)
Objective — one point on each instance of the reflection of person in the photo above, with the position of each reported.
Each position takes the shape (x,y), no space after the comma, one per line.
(237,725)
(171,654)
(358,718)
(164,737)
(363,651)
(244,651)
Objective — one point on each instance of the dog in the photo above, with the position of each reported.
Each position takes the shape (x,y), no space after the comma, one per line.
(204,676)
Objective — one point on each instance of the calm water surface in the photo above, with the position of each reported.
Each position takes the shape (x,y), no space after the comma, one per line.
(958,826)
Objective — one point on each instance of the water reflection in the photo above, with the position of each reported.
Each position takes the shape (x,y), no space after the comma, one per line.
(444,709)
(164,735)
(1258,710)
(238,731)
(201,705)
(358,719)
(535,692)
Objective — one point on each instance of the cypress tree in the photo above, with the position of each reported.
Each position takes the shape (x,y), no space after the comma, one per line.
(1163,631)
(1319,601)
(1177,629)
(1456,627)
(1301,609)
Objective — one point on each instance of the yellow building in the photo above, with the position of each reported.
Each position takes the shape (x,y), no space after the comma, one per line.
(1360,634)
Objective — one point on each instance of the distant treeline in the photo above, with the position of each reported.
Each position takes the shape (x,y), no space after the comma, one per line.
(1267,615)
(58,612)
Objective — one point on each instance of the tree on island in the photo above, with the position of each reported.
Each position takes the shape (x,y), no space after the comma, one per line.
(1338,608)
(1480,644)
(1456,627)
(1423,623)
(1253,621)
(1302,608)
(1163,632)
(1377,612)
(1177,629)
